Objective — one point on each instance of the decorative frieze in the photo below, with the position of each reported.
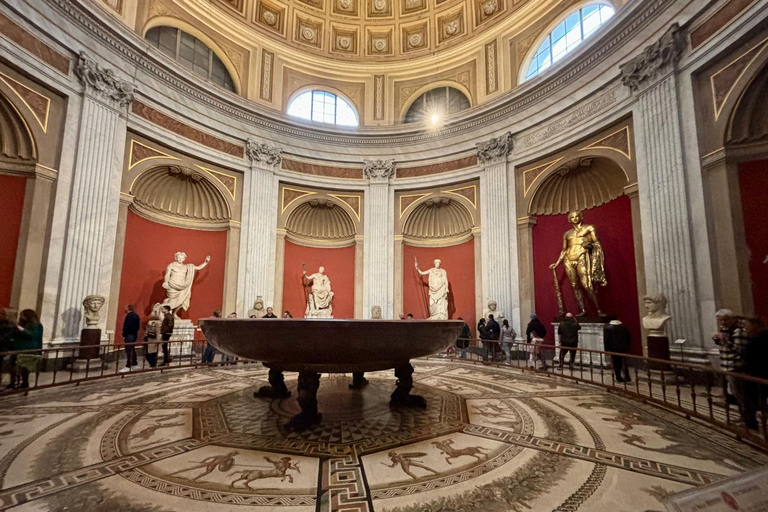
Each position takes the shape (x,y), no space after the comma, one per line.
(659,57)
(379,170)
(262,153)
(495,149)
(103,82)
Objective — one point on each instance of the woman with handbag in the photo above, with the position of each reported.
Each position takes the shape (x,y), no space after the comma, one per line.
(27,336)
(534,337)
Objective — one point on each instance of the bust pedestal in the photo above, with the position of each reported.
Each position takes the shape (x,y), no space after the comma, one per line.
(591,337)
(88,356)
(184,332)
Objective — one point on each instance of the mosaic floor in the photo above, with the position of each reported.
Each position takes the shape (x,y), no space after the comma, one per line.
(491,439)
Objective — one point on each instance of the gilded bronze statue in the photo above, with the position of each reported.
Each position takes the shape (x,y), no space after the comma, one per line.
(582,256)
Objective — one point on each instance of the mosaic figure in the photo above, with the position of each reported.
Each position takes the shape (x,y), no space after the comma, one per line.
(446,448)
(223,462)
(406,460)
(279,470)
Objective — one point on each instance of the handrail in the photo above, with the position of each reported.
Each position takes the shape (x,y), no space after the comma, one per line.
(695,390)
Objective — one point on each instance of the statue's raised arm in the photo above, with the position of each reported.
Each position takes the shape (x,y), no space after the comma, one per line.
(203,264)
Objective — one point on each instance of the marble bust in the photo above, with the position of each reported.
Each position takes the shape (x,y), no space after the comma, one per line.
(92,305)
(492,309)
(656,319)
(178,282)
(375,312)
(258,310)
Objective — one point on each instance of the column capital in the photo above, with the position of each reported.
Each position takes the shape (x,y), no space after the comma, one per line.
(103,82)
(260,152)
(495,150)
(655,59)
(526,222)
(379,171)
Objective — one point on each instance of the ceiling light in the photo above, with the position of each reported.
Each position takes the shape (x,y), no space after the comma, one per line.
(435,118)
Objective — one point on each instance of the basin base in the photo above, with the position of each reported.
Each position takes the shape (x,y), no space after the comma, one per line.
(276,388)
(358,381)
(309,383)
(401,396)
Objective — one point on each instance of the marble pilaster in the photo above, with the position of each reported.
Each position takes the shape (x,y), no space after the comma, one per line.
(667,241)
(256,274)
(378,277)
(499,240)
(93,216)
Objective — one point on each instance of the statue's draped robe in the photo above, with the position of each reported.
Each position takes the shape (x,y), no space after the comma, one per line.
(596,266)
(180,287)
(321,295)
(438,294)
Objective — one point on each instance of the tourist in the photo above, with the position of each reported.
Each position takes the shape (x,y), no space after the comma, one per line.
(508,336)
(409,316)
(166,330)
(463,341)
(286,313)
(7,326)
(569,339)
(484,334)
(494,330)
(232,315)
(210,350)
(151,333)
(619,340)
(28,336)
(534,337)
(755,357)
(731,340)
(131,326)
(271,313)
(401,316)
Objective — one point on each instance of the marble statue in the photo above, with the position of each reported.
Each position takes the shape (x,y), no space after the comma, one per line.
(438,291)
(492,309)
(320,296)
(178,282)
(656,319)
(92,305)
(583,258)
(375,312)
(258,310)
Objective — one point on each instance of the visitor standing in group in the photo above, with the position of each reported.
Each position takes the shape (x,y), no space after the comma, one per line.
(731,340)
(618,340)
(485,335)
(210,350)
(494,329)
(569,339)
(131,326)
(463,342)
(166,330)
(27,336)
(534,337)
(508,336)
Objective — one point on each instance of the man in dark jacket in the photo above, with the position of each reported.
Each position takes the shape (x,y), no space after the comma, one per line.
(484,334)
(569,339)
(131,326)
(166,330)
(494,330)
(463,342)
(618,339)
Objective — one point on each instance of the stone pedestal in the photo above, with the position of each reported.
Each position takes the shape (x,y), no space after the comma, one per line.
(88,356)
(591,337)
(184,332)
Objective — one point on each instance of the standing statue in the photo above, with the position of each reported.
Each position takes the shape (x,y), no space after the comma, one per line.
(438,291)
(92,305)
(178,282)
(583,257)
(320,296)
(258,310)
(656,319)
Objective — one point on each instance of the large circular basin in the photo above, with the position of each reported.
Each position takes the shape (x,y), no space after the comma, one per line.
(329,345)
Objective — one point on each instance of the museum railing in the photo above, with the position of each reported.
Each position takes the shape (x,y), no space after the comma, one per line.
(78,363)
(732,401)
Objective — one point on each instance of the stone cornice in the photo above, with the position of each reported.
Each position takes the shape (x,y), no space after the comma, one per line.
(128,45)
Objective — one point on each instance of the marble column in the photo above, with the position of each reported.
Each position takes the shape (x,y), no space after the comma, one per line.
(256,273)
(94,201)
(499,240)
(117,266)
(378,273)
(667,240)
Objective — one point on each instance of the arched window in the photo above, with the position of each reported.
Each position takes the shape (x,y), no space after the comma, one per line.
(191,53)
(323,107)
(567,35)
(435,105)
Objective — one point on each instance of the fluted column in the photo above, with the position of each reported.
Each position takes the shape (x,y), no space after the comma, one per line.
(258,234)
(499,240)
(94,202)
(378,273)
(667,241)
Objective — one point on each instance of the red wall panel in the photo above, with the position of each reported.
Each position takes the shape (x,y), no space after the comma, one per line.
(459,262)
(753,179)
(12,189)
(149,248)
(339,266)
(613,222)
